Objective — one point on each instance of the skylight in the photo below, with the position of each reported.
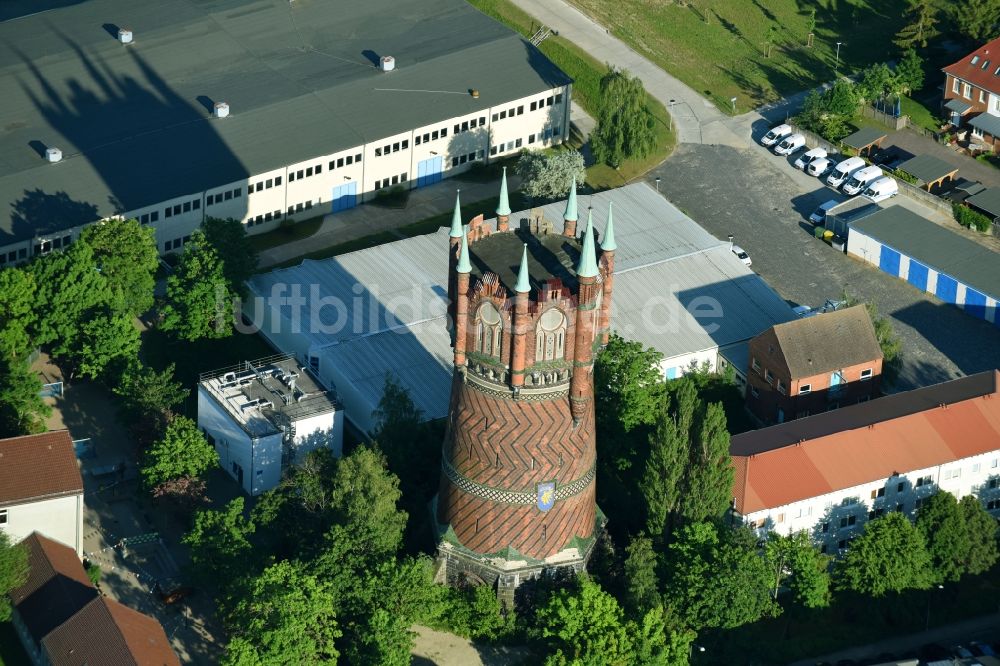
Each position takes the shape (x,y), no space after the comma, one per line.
(986,64)
(975,59)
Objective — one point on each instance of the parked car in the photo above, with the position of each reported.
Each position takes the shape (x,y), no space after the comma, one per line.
(981,649)
(881,189)
(859,181)
(890,158)
(742,255)
(820,167)
(844,170)
(818,216)
(804,311)
(776,134)
(790,145)
(809,157)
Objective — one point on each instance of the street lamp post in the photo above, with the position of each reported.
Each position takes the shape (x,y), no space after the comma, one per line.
(733,100)
(730,241)
(838,54)
(657,183)
(700,648)
(930,596)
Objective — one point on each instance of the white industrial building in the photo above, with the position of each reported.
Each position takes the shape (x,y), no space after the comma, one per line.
(264,415)
(41,489)
(830,473)
(261,112)
(359,317)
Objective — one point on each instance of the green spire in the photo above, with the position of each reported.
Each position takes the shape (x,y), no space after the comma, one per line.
(608,244)
(464,265)
(523,285)
(456,219)
(570,213)
(588,256)
(503,208)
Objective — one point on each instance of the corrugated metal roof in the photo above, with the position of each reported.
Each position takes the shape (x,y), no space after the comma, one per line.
(957,106)
(867,442)
(133,122)
(987,122)
(987,199)
(965,260)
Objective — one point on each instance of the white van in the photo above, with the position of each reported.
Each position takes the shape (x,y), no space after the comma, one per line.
(790,144)
(819,167)
(776,134)
(859,181)
(881,189)
(809,157)
(844,170)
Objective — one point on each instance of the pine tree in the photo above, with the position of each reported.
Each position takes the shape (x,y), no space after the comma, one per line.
(977,19)
(922,20)
(710,475)
(669,451)
(642,584)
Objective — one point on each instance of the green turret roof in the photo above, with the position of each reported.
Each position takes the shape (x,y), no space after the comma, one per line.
(464,265)
(523,285)
(503,208)
(456,219)
(608,244)
(570,213)
(588,256)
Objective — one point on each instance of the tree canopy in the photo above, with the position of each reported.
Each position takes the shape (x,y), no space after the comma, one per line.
(625,127)
(800,565)
(221,552)
(183,451)
(977,20)
(199,300)
(231,243)
(981,528)
(13,571)
(147,394)
(125,252)
(921,24)
(17,312)
(910,71)
(22,410)
(889,556)
(550,175)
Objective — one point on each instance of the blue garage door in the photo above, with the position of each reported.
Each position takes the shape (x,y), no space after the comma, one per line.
(947,288)
(429,171)
(975,303)
(917,275)
(345,196)
(888,261)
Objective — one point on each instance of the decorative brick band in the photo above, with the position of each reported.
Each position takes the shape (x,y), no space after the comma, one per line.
(502,496)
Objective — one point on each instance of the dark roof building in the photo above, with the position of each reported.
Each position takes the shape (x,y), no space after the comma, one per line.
(931,171)
(986,201)
(865,139)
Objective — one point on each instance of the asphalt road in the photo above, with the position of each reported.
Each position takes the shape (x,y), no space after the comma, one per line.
(764,203)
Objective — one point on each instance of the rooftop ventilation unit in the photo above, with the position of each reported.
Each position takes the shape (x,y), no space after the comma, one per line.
(53,155)
(125,35)
(387,63)
(221,110)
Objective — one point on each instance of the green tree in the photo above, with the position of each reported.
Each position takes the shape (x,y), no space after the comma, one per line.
(641,582)
(977,19)
(888,340)
(104,341)
(942,524)
(910,71)
(584,625)
(199,301)
(550,176)
(183,451)
(890,556)
(921,25)
(877,81)
(842,99)
(69,289)
(220,547)
(799,564)
(13,571)
(629,383)
(230,241)
(703,597)
(126,254)
(709,485)
(17,312)
(625,127)
(22,410)
(150,395)
(662,484)
(981,529)
(285,616)
(363,496)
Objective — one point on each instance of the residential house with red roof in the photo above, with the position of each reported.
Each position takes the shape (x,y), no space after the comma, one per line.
(41,488)
(830,473)
(972,95)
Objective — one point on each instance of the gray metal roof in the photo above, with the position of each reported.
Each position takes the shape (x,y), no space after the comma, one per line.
(957,106)
(671,276)
(928,168)
(864,137)
(987,122)
(933,245)
(134,123)
(987,199)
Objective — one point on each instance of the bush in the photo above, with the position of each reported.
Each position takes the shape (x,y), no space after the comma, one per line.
(471,611)
(906,177)
(971,219)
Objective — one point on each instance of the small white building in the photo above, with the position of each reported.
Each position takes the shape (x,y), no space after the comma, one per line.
(41,489)
(830,473)
(264,415)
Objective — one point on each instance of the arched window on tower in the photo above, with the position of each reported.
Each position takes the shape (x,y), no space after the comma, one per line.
(488,330)
(550,335)
(596,313)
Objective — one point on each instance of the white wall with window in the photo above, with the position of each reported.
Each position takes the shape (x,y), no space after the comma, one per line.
(59,518)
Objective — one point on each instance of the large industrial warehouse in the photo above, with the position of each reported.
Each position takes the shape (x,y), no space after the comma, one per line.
(172,111)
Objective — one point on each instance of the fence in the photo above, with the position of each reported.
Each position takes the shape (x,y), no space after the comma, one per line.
(53,390)
(924,197)
(887,119)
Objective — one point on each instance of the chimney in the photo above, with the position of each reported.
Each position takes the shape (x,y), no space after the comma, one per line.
(221,110)
(125,35)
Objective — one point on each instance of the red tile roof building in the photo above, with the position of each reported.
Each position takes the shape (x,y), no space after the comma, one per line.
(41,488)
(831,472)
(972,94)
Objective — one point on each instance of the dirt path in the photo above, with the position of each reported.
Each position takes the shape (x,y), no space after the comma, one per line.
(437,648)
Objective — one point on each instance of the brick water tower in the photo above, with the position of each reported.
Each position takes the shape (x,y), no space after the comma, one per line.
(530,306)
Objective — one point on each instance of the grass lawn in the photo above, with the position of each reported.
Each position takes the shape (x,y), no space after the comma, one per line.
(586,72)
(283,235)
(11,652)
(920,115)
(717,46)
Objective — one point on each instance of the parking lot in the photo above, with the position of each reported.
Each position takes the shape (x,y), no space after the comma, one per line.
(764,203)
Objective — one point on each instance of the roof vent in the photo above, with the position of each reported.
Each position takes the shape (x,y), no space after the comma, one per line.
(53,155)
(387,63)
(221,110)
(125,35)
(475,93)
